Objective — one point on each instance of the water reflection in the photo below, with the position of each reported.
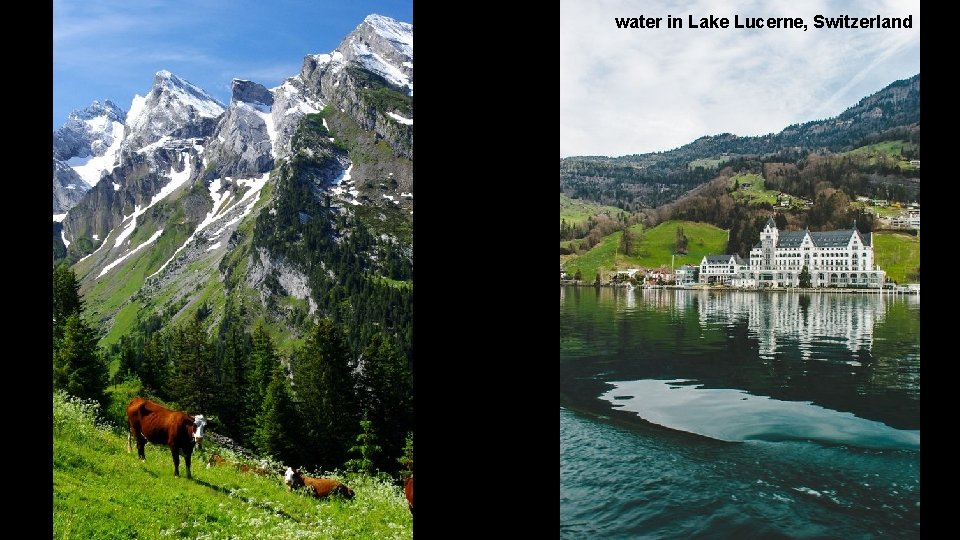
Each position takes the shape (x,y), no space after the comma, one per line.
(734,415)
(857,353)
(803,319)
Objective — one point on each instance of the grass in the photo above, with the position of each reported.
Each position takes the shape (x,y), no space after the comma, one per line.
(897,254)
(755,194)
(101,491)
(885,211)
(108,294)
(654,251)
(888,149)
(577,210)
(123,324)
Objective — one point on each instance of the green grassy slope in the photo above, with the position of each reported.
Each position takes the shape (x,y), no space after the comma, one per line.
(654,251)
(577,210)
(754,195)
(897,254)
(891,151)
(101,491)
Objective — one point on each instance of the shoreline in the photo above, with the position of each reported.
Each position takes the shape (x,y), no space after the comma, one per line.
(830,290)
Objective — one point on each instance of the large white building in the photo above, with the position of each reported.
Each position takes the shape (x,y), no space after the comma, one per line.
(720,268)
(833,259)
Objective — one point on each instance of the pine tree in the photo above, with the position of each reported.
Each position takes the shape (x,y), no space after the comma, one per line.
(193,367)
(681,242)
(78,367)
(155,366)
(406,459)
(273,434)
(234,379)
(263,360)
(387,397)
(626,242)
(326,391)
(129,358)
(66,298)
(366,448)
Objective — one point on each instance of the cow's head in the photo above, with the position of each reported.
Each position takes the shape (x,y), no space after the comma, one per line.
(293,478)
(199,424)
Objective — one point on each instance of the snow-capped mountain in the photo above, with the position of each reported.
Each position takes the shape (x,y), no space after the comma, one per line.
(173,108)
(86,146)
(184,203)
(383,46)
(89,132)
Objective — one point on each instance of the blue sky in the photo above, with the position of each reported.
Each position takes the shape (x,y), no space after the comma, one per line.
(110,49)
(629,91)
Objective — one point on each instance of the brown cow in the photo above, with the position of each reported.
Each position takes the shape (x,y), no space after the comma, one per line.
(408,490)
(321,487)
(152,422)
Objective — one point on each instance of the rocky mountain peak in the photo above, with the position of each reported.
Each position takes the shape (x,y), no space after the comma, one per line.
(383,46)
(174,108)
(88,131)
(96,109)
(250,92)
(187,93)
(399,33)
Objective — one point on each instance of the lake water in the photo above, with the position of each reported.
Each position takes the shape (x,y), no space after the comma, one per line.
(724,414)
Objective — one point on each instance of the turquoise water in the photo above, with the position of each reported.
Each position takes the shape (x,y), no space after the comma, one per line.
(688,414)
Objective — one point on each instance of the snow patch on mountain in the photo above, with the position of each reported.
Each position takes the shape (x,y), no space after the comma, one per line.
(136,107)
(219,200)
(400,33)
(344,176)
(91,168)
(154,145)
(402,120)
(59,217)
(380,65)
(112,265)
(177,179)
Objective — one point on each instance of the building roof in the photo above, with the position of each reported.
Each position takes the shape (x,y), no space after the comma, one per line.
(832,238)
(723,259)
(790,239)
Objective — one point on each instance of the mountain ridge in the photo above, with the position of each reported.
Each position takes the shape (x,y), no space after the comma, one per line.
(654,178)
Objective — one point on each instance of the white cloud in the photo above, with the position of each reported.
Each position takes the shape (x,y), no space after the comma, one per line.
(626,91)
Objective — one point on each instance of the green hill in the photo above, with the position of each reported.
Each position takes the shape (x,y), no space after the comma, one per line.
(101,491)
(577,210)
(653,251)
(898,254)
